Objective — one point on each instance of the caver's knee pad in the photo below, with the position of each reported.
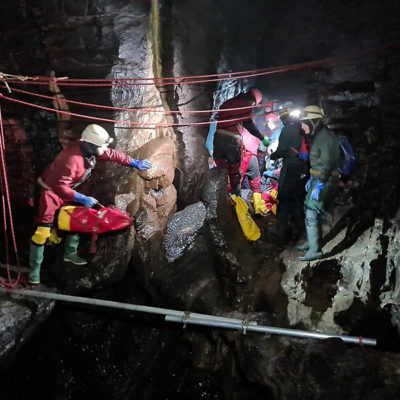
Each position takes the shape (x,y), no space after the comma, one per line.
(41,234)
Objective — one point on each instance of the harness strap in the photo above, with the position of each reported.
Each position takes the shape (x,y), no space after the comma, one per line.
(318,173)
(43,185)
(225,132)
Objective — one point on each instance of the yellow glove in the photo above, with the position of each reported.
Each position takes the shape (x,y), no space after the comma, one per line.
(53,238)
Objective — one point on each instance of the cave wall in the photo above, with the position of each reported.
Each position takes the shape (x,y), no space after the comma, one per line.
(358,90)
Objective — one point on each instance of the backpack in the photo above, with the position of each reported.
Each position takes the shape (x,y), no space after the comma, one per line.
(304,152)
(347,158)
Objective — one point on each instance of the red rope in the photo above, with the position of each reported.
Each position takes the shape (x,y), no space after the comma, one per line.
(225,75)
(149,125)
(5,195)
(144,110)
(161,79)
(197,78)
(176,82)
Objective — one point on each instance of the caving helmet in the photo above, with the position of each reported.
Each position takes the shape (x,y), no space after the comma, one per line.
(272,121)
(312,112)
(272,117)
(96,135)
(312,117)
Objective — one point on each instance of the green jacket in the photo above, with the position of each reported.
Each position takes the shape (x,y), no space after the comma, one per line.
(324,153)
(324,159)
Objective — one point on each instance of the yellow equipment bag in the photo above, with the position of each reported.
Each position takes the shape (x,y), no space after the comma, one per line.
(249,227)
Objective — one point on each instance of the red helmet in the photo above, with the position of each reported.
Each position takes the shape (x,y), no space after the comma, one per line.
(272,118)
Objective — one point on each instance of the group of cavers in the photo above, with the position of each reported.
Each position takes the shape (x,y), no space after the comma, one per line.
(290,151)
(235,145)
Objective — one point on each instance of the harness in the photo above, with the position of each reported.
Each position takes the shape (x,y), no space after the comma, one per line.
(91,161)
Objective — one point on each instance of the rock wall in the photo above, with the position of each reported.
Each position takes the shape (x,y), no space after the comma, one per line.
(106,41)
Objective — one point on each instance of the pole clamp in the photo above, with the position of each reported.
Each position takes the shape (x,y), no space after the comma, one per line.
(185,318)
(245,325)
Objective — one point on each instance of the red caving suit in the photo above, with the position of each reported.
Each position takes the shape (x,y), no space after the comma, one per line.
(228,146)
(63,174)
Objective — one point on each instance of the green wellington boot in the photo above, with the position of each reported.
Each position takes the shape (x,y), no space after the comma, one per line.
(35,262)
(314,252)
(71,250)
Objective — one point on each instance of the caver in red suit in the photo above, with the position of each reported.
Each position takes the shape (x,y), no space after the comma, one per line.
(249,165)
(228,144)
(59,182)
(67,172)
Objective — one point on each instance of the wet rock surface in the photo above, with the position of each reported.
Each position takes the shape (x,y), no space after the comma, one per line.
(19,319)
(182,229)
(319,369)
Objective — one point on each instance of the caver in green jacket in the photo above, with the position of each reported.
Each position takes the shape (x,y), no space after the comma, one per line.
(324,159)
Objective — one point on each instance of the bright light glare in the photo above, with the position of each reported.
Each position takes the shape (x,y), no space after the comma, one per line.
(295,113)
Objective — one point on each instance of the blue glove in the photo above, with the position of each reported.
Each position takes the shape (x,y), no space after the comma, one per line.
(85,200)
(308,183)
(210,138)
(271,173)
(140,164)
(317,190)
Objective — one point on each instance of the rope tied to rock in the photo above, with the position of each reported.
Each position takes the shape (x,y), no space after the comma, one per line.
(4,77)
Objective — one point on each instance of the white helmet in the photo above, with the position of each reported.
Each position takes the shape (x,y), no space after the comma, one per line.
(96,135)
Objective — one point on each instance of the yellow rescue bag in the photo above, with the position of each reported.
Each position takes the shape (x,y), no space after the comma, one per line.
(249,227)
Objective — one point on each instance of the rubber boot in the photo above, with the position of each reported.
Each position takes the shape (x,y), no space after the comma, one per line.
(71,250)
(259,204)
(303,247)
(314,252)
(35,262)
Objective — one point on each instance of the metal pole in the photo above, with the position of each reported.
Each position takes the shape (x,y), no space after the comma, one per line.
(186,317)
(239,325)
(112,304)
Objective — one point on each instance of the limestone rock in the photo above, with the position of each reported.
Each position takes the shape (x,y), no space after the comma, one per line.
(182,229)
